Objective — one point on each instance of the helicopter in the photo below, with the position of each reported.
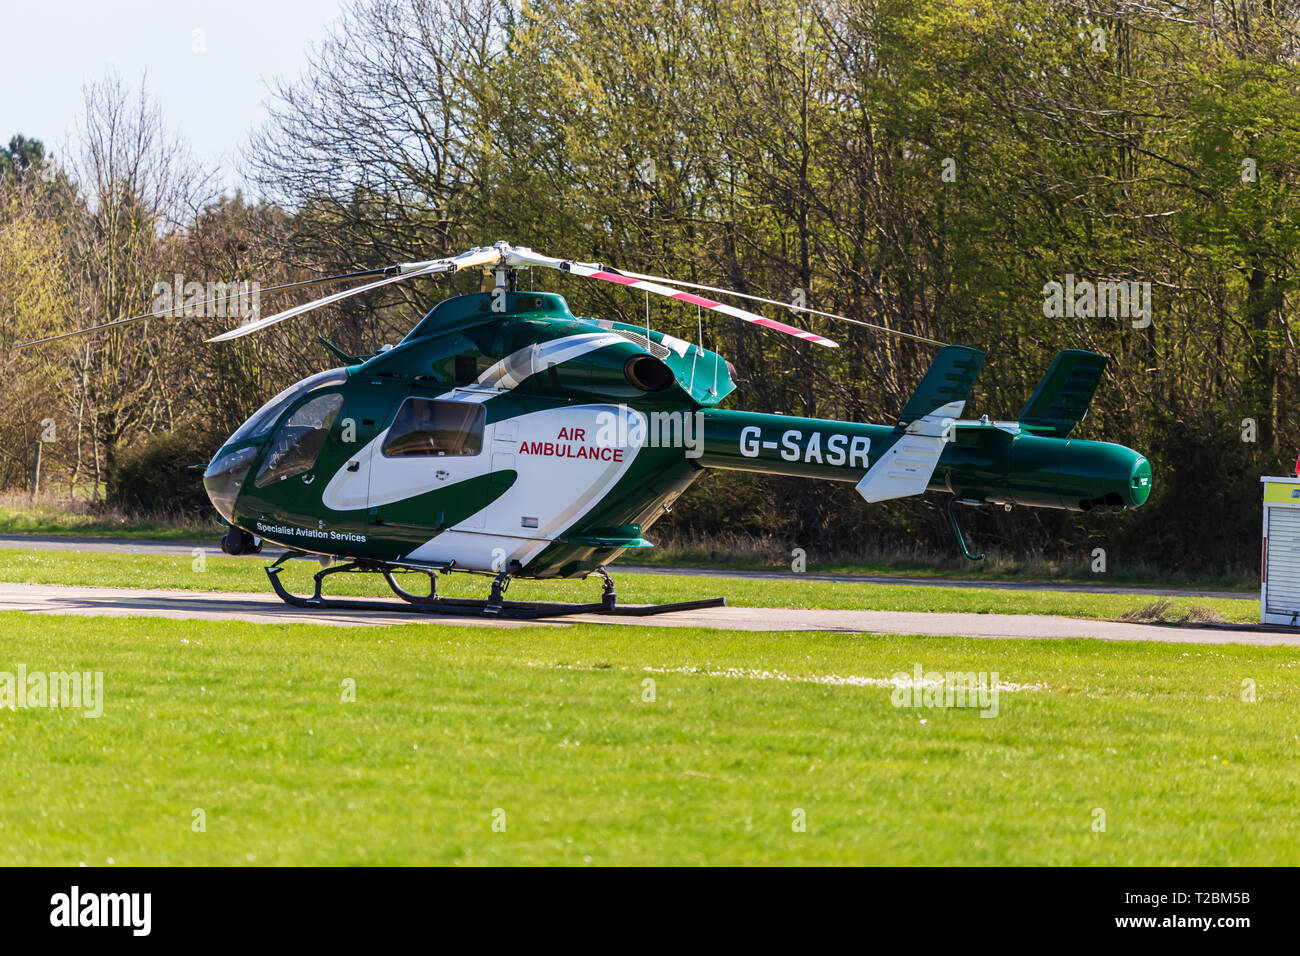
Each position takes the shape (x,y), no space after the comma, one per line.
(507,437)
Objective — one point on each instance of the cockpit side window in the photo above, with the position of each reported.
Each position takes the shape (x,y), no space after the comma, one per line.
(428,427)
(261,421)
(300,439)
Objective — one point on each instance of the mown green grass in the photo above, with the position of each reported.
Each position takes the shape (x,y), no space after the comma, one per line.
(549,725)
(46,518)
(221,573)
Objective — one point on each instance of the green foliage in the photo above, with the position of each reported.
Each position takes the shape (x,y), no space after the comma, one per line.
(164,473)
(22,154)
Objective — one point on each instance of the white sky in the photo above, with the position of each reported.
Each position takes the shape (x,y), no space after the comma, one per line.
(212,99)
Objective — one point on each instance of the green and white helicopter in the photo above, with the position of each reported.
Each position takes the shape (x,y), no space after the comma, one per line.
(505,436)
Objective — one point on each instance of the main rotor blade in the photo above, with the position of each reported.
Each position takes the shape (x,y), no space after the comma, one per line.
(591,270)
(759,298)
(410,270)
(163,313)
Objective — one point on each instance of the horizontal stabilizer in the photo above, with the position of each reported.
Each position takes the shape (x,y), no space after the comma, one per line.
(904,469)
(907,465)
(1062,398)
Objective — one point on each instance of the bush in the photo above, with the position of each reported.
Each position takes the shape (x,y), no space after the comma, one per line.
(158,475)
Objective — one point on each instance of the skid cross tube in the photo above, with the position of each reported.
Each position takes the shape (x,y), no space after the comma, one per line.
(495,605)
(405,595)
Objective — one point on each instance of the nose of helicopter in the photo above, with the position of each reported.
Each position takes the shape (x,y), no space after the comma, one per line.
(225,476)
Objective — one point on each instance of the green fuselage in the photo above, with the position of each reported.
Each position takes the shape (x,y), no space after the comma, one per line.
(503,433)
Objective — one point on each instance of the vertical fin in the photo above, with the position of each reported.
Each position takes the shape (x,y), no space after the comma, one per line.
(1062,398)
(947,382)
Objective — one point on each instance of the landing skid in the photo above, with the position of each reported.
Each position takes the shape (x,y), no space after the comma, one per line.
(494,606)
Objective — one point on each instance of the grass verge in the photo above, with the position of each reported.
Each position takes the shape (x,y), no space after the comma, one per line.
(46,516)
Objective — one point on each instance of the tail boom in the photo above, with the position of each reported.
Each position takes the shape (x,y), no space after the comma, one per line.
(998,463)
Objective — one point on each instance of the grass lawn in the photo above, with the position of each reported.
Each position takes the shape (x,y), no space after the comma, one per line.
(46,518)
(550,727)
(222,573)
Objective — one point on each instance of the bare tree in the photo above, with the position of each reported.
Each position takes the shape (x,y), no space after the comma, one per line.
(139,186)
(377,148)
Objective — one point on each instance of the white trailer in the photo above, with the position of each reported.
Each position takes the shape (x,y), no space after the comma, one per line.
(1279,592)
